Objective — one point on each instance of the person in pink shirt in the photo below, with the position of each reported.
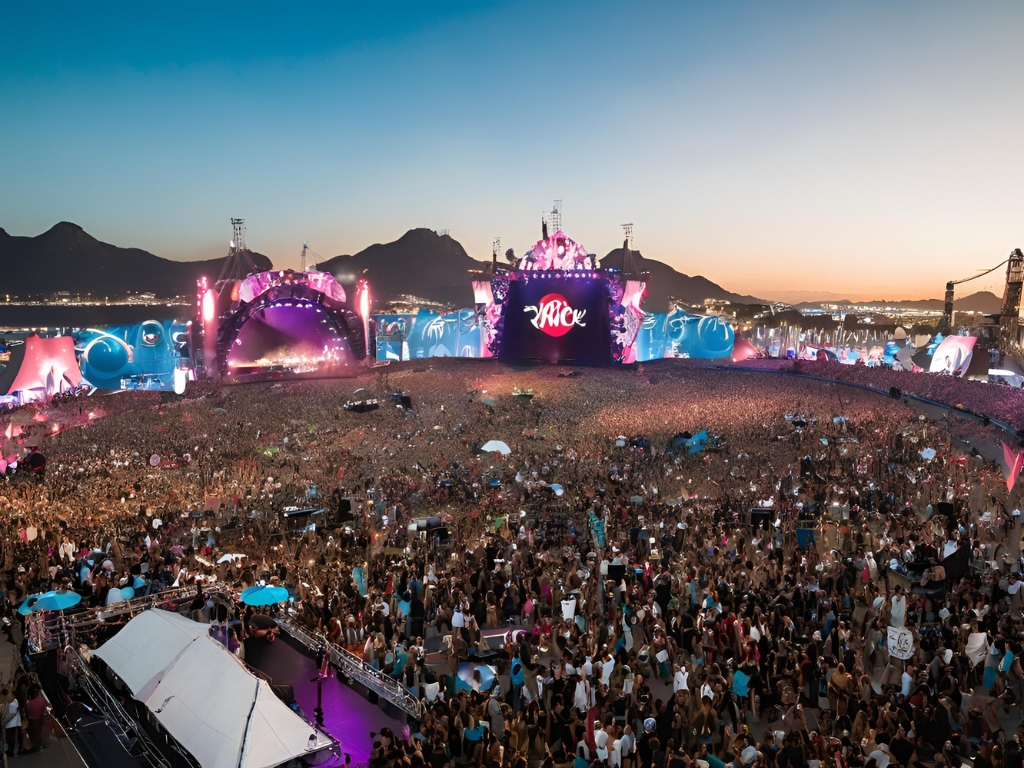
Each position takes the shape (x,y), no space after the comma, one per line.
(36,708)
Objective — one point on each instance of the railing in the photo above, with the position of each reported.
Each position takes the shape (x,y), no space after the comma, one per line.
(130,732)
(59,629)
(373,679)
(56,629)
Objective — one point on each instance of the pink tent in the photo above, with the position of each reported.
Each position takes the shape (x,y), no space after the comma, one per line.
(742,350)
(41,368)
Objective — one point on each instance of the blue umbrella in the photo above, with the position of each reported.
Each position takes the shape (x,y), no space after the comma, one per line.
(49,601)
(263,595)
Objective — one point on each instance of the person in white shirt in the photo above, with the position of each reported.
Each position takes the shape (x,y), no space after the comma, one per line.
(681,680)
(615,754)
(1013,589)
(626,744)
(899,608)
(601,741)
(607,667)
(11,715)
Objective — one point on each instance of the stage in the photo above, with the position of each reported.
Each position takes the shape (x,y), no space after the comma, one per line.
(348,716)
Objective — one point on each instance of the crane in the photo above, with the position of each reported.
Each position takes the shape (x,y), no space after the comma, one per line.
(947,314)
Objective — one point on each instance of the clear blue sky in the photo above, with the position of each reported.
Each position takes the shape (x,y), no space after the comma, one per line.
(860,148)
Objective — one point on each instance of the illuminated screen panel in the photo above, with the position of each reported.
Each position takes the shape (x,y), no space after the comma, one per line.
(555,319)
(288,338)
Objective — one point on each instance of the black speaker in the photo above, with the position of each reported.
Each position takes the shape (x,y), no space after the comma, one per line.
(761,517)
(894,393)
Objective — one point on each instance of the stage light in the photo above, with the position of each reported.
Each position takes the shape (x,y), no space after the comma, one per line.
(209,306)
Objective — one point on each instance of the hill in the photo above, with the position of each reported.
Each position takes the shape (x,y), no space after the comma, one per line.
(982,301)
(431,266)
(665,282)
(420,263)
(67,258)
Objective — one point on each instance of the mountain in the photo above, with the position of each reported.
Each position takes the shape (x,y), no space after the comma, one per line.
(67,258)
(982,301)
(420,263)
(664,281)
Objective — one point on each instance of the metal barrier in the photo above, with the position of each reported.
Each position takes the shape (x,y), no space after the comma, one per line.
(59,629)
(373,679)
(47,630)
(129,732)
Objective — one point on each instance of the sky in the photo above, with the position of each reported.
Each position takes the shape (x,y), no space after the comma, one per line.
(782,149)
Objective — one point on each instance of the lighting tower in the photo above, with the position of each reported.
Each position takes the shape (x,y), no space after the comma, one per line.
(554,218)
(1009,317)
(495,251)
(238,263)
(629,268)
(238,241)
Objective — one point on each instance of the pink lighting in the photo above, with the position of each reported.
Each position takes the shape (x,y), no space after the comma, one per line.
(364,302)
(209,306)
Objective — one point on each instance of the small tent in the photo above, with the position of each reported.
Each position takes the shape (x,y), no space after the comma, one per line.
(742,350)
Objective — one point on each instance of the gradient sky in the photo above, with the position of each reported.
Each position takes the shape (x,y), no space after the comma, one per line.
(868,148)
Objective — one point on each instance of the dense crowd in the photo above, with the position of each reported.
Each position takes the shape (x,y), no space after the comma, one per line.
(600,595)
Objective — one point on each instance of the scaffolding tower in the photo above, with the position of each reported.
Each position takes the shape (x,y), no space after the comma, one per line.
(1010,326)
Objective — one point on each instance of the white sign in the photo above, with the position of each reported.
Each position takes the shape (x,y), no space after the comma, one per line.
(901,643)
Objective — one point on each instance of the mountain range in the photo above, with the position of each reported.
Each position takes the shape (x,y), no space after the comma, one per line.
(983,301)
(420,263)
(67,258)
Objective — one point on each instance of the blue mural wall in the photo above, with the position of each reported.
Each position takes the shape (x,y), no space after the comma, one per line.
(457,334)
(428,334)
(682,334)
(140,356)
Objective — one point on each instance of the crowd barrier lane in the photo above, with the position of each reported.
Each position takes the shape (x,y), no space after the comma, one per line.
(385,686)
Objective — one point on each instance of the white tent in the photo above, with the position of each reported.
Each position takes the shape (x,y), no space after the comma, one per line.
(496,445)
(204,697)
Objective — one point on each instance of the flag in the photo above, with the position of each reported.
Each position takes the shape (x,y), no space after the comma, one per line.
(1014,464)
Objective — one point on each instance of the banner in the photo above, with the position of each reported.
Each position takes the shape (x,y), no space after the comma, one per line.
(1014,463)
(900,642)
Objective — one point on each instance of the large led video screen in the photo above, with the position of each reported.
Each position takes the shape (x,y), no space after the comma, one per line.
(154,354)
(553,317)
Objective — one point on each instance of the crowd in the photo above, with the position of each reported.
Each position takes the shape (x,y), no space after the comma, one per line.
(600,595)
(1000,402)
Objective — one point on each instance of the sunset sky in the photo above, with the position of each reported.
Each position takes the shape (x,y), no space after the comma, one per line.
(868,149)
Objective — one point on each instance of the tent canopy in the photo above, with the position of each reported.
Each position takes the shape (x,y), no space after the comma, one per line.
(40,368)
(204,697)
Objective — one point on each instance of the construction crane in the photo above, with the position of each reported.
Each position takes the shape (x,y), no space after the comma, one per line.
(947,314)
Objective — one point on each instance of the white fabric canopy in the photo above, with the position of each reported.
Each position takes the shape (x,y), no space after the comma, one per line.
(496,445)
(203,695)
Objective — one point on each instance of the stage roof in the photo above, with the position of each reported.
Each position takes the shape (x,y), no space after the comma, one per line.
(204,696)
